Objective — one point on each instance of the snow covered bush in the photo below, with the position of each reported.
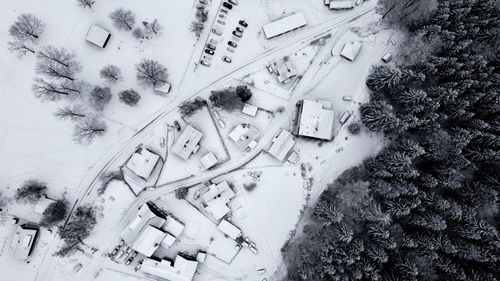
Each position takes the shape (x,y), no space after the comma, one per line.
(129,97)
(31,191)
(99,97)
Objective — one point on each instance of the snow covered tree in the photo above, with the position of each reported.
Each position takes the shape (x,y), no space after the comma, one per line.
(153,28)
(354,128)
(123,19)
(151,73)
(99,97)
(21,48)
(378,116)
(188,108)
(196,27)
(86,130)
(27,27)
(54,213)
(57,63)
(383,78)
(71,112)
(77,230)
(31,191)
(111,73)
(48,90)
(129,97)
(85,3)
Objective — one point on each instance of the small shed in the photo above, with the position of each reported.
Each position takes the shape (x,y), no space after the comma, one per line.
(341,5)
(208,161)
(351,50)
(229,229)
(98,36)
(163,90)
(250,109)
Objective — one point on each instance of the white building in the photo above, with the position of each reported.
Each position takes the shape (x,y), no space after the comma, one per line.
(216,199)
(150,229)
(351,50)
(43,204)
(244,136)
(281,145)
(314,119)
(187,143)
(181,269)
(142,162)
(250,109)
(229,229)
(98,36)
(285,70)
(208,161)
(22,242)
(284,25)
(341,5)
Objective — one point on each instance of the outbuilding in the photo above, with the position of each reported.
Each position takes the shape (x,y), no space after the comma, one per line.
(187,143)
(351,50)
(98,36)
(284,25)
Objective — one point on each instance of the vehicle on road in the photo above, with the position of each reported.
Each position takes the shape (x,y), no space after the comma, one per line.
(211,47)
(232,44)
(239,29)
(339,149)
(210,52)
(226,59)
(216,31)
(205,63)
(162,142)
(227,5)
(237,33)
(177,125)
(243,23)
(234,2)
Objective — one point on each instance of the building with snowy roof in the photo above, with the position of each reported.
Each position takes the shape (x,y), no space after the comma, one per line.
(281,145)
(244,136)
(285,70)
(284,25)
(187,143)
(216,199)
(208,161)
(182,269)
(142,162)
(22,242)
(351,50)
(98,36)
(314,119)
(229,229)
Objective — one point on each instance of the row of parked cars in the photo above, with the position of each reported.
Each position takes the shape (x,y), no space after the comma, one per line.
(123,253)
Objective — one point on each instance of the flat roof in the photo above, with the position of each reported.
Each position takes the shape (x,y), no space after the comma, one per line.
(350,50)
(43,204)
(97,35)
(250,109)
(187,143)
(284,25)
(181,269)
(341,4)
(148,240)
(315,121)
(216,199)
(209,160)
(244,136)
(22,242)
(229,229)
(142,162)
(173,226)
(282,144)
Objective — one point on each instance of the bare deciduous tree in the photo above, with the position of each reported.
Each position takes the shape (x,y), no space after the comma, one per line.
(31,191)
(48,90)
(85,3)
(60,56)
(54,213)
(27,27)
(196,27)
(152,28)
(71,112)
(77,230)
(123,19)
(111,73)
(89,128)
(99,97)
(151,73)
(21,48)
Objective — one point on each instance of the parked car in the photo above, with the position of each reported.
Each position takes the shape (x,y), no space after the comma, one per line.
(115,250)
(222,124)
(177,125)
(270,68)
(203,1)
(226,59)
(129,261)
(162,142)
(222,16)
(230,49)
(344,117)
(227,5)
(223,11)
(234,2)
(347,98)
(210,52)
(243,23)
(205,63)
(216,31)
(387,57)
(211,47)
(237,33)
(200,6)
(239,29)
(221,22)
(232,44)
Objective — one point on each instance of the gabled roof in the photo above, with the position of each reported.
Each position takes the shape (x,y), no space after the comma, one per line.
(187,143)
(181,269)
(216,199)
(229,229)
(208,161)
(148,240)
(282,144)
(22,242)
(142,162)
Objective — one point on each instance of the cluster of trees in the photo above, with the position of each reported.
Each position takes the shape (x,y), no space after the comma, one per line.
(76,231)
(189,108)
(85,4)
(31,192)
(200,17)
(124,19)
(426,208)
(25,33)
(231,98)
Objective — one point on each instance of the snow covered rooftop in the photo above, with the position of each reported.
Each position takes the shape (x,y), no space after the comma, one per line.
(284,25)
(229,229)
(187,143)
(314,120)
(208,161)
(181,269)
(148,240)
(250,109)
(351,50)
(282,144)
(42,204)
(285,70)
(142,162)
(22,242)
(216,199)
(245,136)
(341,5)
(98,36)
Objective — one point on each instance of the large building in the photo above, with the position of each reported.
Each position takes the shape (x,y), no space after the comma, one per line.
(314,119)
(182,269)
(151,229)
(216,199)
(142,162)
(187,143)
(281,145)
(22,242)
(284,25)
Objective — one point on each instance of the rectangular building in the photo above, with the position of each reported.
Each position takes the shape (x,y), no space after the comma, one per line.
(229,229)
(341,5)
(313,120)
(284,25)
(187,143)
(244,136)
(22,242)
(98,36)
(282,145)
(216,199)
(181,269)
(142,162)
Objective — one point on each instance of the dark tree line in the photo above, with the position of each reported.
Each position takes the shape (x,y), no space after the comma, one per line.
(76,231)
(425,208)
(231,98)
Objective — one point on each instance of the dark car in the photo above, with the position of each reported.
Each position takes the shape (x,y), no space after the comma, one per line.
(177,125)
(237,33)
(208,51)
(211,47)
(226,59)
(239,29)
(243,23)
(227,5)
(232,44)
